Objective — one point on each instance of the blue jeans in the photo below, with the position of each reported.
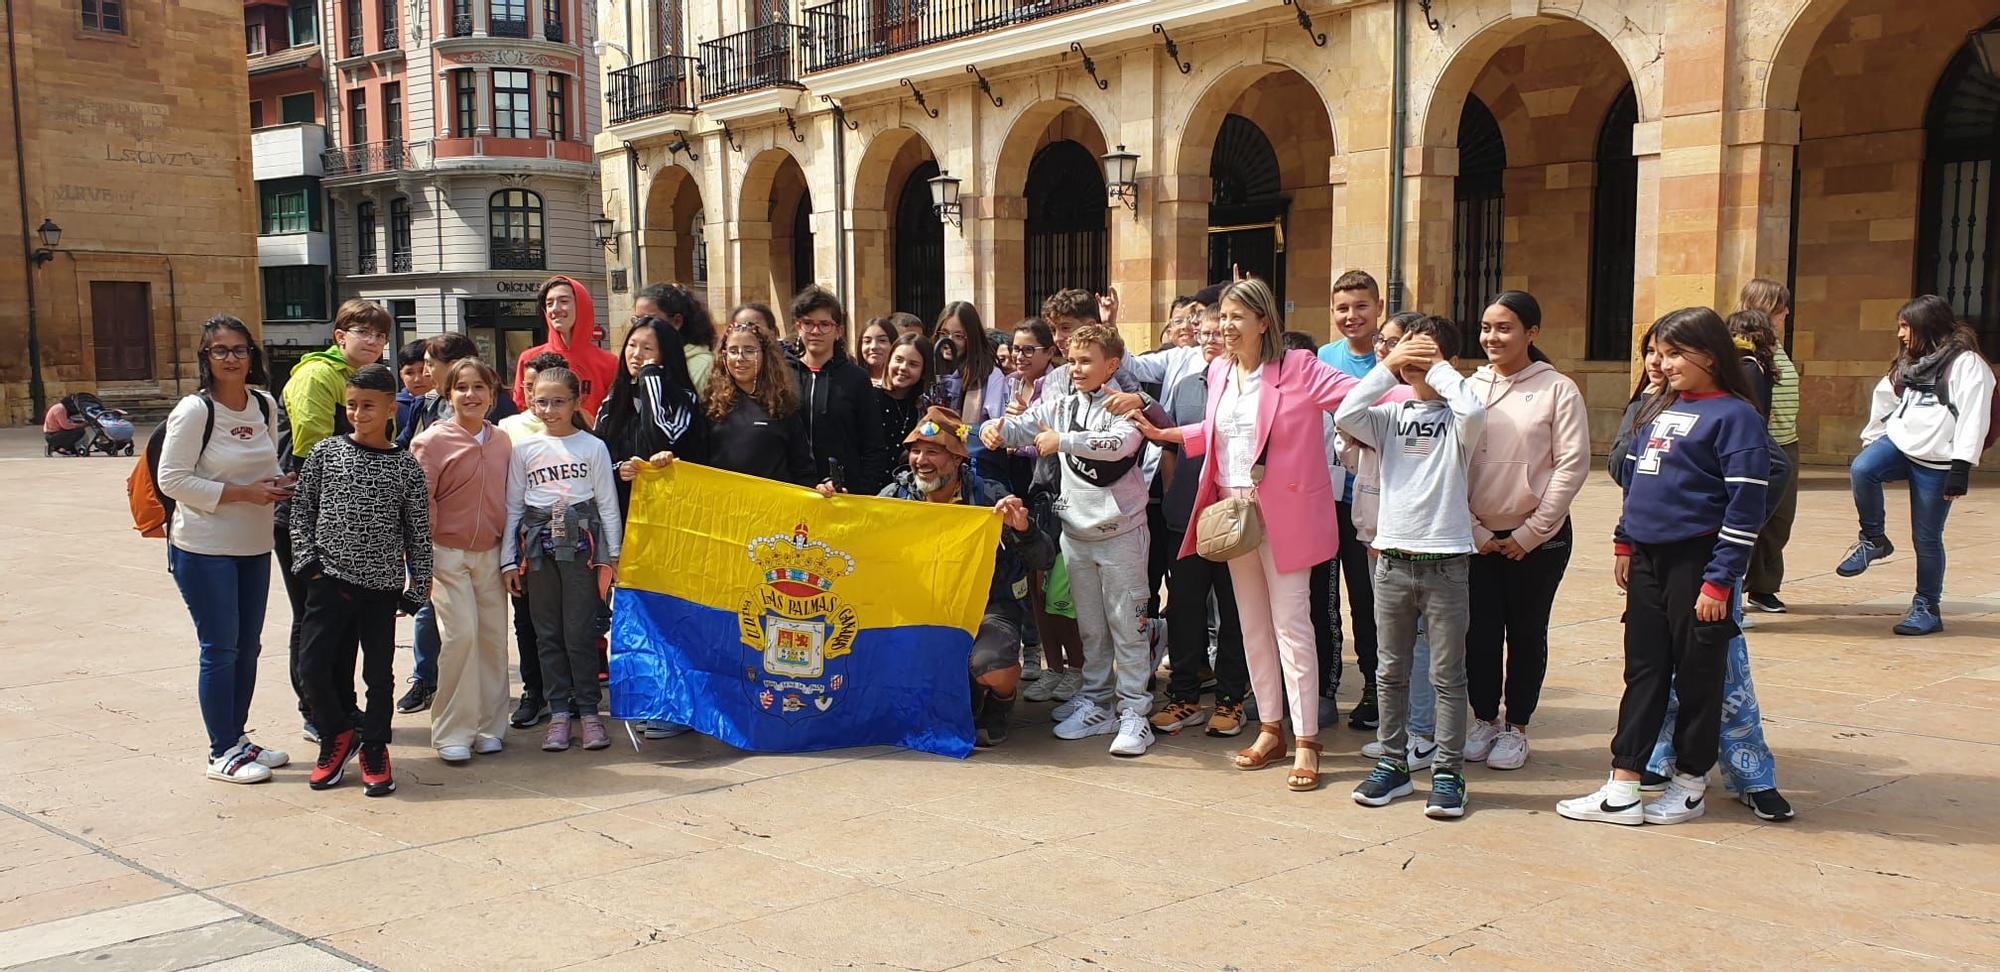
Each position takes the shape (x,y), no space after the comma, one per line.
(1746,761)
(225,596)
(1881,462)
(427,645)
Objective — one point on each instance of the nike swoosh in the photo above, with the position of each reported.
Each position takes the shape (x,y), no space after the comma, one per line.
(1608,808)
(1424,753)
(1696,802)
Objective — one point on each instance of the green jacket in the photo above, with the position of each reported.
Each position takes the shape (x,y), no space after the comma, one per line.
(315,395)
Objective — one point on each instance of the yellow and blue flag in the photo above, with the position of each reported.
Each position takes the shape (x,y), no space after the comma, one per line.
(779,620)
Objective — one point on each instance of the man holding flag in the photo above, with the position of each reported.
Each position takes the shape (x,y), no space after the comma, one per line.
(939,472)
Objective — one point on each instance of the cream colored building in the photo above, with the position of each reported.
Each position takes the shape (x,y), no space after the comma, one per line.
(1618,158)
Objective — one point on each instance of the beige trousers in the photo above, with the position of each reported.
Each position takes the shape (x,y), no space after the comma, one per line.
(471,605)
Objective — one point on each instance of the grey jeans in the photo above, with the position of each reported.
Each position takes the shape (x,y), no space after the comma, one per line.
(1107,580)
(1435,591)
(562,601)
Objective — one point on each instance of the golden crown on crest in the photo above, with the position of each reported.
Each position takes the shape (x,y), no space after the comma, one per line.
(799,559)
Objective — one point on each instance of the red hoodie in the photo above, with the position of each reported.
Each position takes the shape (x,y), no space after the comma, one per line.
(595,367)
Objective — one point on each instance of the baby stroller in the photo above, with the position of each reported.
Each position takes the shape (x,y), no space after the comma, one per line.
(107,430)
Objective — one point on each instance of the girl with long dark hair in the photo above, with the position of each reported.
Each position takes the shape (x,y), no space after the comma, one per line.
(219,464)
(1695,476)
(1927,424)
(653,406)
(902,397)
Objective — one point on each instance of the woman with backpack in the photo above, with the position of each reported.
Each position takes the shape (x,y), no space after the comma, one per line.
(1930,418)
(218,464)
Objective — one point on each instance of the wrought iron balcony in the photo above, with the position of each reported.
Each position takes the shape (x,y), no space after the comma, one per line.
(655,87)
(851,31)
(461,25)
(508,28)
(761,57)
(399,262)
(390,40)
(506,255)
(356,46)
(348,160)
(552,30)
(366,264)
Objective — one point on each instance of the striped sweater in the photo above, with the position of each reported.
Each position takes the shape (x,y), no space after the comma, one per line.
(1785,399)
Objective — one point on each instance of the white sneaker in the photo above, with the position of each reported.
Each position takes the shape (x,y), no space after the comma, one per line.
(488,745)
(1089,719)
(1617,801)
(238,765)
(1479,740)
(1510,751)
(1068,708)
(267,758)
(1042,689)
(1422,752)
(1683,801)
(455,754)
(662,729)
(1372,749)
(1135,735)
(1068,684)
(1747,623)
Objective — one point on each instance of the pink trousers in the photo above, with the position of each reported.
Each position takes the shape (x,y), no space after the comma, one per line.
(1276,613)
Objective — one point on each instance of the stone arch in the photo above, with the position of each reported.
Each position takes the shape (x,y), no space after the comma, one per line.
(1049,119)
(881,174)
(1270,100)
(673,203)
(1003,214)
(775,250)
(1467,49)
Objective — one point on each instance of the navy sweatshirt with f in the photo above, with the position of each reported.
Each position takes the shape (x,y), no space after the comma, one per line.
(1699,469)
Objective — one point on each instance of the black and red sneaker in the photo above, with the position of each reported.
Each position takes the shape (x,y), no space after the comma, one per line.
(375,770)
(334,752)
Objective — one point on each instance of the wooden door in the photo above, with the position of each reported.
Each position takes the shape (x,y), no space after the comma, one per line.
(121,328)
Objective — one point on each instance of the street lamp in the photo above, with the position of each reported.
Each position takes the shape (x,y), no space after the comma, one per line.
(606,232)
(1986,44)
(51,235)
(1121,171)
(944,199)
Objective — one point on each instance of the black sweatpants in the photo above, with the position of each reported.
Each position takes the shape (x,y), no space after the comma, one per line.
(1360,577)
(1511,601)
(1159,556)
(295,592)
(1323,588)
(527,650)
(339,619)
(1668,649)
(1189,585)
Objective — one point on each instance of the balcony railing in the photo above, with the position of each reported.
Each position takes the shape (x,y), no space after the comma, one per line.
(516,256)
(552,30)
(761,57)
(386,156)
(461,25)
(508,28)
(390,40)
(356,46)
(367,263)
(655,87)
(851,31)
(399,262)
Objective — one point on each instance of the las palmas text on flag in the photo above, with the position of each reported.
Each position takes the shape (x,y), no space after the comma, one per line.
(778,620)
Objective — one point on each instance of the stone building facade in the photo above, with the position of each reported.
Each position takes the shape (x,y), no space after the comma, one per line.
(462,172)
(1618,158)
(131,139)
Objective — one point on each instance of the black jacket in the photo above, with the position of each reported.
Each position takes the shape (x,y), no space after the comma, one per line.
(660,415)
(843,423)
(749,441)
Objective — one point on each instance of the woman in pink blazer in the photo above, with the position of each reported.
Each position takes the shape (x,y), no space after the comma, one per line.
(1264,410)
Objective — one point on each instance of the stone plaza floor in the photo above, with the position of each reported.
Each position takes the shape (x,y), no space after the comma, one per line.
(116,853)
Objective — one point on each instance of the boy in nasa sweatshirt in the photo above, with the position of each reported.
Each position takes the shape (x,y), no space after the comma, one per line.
(1424,536)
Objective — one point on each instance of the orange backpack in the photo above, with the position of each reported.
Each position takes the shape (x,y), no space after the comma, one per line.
(153,510)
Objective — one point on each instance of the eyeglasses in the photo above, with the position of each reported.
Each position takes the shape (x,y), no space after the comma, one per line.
(742,352)
(370,337)
(1206,335)
(1386,342)
(809,324)
(1030,348)
(226,352)
(548,403)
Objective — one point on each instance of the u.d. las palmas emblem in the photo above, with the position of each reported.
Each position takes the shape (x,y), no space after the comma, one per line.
(797,631)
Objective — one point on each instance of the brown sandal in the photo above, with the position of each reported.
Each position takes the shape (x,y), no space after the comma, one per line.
(1249,758)
(1305,780)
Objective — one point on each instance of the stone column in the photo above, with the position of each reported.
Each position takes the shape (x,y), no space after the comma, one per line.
(481,12)
(1645,237)
(1144,293)
(1430,183)
(538,101)
(960,156)
(1757,200)
(482,83)
(1687,267)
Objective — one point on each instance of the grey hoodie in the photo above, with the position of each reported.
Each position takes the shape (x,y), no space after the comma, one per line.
(1103,483)
(1426,448)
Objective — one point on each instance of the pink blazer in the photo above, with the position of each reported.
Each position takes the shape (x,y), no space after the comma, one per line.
(1296,495)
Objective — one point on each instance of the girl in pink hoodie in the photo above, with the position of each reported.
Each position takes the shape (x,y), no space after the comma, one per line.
(1528,469)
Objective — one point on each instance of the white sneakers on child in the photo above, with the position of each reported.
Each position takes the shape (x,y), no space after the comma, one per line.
(1509,750)
(1135,734)
(1085,719)
(1684,800)
(238,765)
(1479,739)
(488,745)
(1617,801)
(455,754)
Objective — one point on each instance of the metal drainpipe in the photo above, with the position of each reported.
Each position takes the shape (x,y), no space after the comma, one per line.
(174,324)
(632,208)
(839,207)
(36,391)
(1398,124)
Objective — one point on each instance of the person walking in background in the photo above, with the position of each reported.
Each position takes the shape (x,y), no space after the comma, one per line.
(1531,462)
(361,530)
(561,551)
(1767,562)
(465,462)
(571,317)
(1928,421)
(219,464)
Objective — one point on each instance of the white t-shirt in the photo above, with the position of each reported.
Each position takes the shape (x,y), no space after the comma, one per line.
(568,469)
(242,449)
(1236,428)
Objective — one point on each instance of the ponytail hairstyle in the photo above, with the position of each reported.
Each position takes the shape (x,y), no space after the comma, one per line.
(1701,330)
(564,377)
(1523,305)
(1753,328)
